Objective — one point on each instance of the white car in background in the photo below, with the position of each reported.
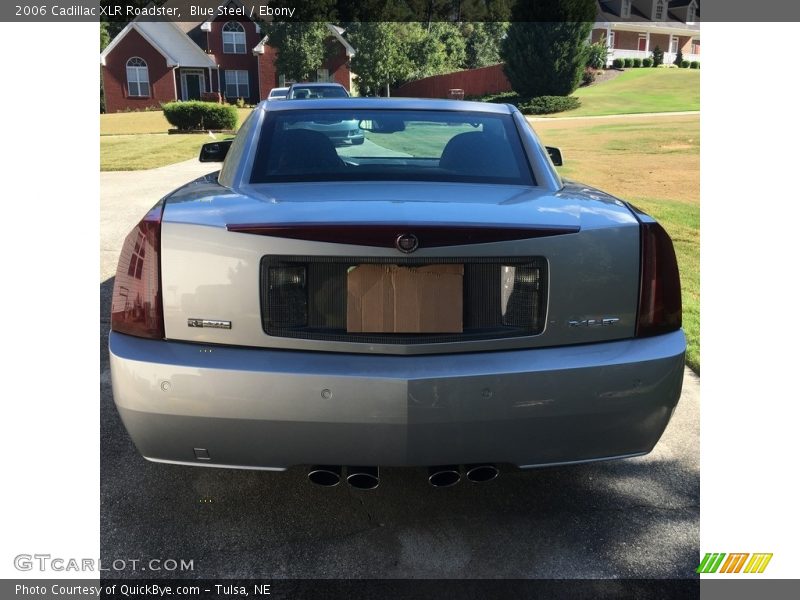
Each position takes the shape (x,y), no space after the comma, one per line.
(278,93)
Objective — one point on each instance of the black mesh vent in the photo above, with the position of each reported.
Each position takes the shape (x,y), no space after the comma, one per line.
(306,298)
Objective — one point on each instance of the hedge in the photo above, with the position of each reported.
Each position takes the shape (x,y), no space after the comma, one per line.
(637,62)
(647,62)
(694,64)
(618,63)
(543,105)
(629,62)
(196,115)
(684,64)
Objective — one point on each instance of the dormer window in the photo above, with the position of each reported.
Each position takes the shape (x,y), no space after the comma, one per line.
(659,10)
(233,41)
(626,9)
(691,13)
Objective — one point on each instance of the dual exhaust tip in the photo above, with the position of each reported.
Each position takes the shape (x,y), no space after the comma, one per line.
(368,478)
(362,478)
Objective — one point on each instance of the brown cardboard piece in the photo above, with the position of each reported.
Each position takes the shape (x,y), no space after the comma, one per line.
(394,299)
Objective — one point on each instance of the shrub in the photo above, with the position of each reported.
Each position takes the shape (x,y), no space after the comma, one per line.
(240,103)
(637,62)
(647,62)
(588,77)
(658,56)
(618,63)
(597,55)
(694,64)
(543,105)
(629,62)
(684,64)
(194,115)
(678,59)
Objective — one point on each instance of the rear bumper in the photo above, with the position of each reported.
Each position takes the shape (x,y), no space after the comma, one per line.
(271,409)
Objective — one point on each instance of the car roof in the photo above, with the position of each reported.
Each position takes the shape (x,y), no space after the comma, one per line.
(317,84)
(390,104)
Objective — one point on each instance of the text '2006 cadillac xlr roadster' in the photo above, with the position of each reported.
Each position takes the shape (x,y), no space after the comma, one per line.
(437,296)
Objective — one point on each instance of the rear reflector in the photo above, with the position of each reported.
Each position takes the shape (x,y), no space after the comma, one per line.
(136,307)
(660,292)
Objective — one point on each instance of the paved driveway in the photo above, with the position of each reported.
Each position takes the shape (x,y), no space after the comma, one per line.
(632,518)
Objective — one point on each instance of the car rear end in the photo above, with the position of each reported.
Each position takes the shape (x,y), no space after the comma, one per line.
(234,343)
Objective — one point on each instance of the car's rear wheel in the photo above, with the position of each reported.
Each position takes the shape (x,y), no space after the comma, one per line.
(358,141)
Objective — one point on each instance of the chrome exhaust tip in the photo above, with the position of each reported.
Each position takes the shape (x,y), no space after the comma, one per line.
(482,473)
(363,478)
(444,476)
(325,475)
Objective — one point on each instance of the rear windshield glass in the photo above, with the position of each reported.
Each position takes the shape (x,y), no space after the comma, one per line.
(318,91)
(377,145)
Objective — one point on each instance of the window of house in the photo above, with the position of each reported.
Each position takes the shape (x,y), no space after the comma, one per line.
(237,84)
(690,14)
(233,38)
(323,76)
(659,10)
(138,79)
(673,44)
(626,9)
(611,39)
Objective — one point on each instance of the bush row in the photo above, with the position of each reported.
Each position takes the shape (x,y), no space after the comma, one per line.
(620,63)
(193,115)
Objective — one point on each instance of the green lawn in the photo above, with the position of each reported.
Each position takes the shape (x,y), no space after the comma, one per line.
(153,121)
(149,150)
(640,91)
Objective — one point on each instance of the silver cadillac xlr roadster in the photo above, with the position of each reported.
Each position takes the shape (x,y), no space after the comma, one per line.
(437,296)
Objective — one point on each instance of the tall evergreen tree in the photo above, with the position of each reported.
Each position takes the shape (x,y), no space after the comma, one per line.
(546,46)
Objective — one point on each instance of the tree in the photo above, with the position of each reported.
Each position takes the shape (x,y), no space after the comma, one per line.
(104,41)
(678,58)
(381,57)
(658,56)
(482,43)
(300,47)
(545,48)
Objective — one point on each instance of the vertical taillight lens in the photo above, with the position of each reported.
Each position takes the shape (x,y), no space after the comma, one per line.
(660,292)
(136,307)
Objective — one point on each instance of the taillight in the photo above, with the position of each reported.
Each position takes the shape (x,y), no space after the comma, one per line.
(660,283)
(136,307)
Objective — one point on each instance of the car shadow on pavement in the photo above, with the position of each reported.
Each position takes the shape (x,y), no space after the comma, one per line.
(633,518)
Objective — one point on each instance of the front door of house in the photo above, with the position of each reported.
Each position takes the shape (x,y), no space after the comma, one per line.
(642,43)
(192,84)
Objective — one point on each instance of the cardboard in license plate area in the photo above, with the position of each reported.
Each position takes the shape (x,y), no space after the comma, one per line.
(395,299)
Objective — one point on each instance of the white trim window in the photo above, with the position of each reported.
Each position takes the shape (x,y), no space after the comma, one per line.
(138,77)
(691,13)
(626,9)
(233,39)
(612,36)
(660,12)
(237,84)
(673,44)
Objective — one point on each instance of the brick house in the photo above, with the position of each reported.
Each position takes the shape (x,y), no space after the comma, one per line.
(632,28)
(154,61)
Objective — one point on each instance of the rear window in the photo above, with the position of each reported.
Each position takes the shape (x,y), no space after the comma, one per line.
(377,145)
(318,91)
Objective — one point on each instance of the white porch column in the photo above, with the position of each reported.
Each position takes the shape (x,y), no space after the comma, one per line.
(608,37)
(647,42)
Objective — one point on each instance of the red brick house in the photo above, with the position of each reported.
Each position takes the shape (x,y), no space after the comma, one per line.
(632,28)
(155,61)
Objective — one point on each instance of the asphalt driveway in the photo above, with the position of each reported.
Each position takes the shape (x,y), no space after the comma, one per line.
(632,518)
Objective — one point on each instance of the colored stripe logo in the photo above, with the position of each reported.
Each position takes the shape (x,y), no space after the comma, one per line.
(719,562)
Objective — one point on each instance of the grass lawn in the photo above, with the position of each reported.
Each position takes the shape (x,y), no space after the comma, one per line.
(640,91)
(148,150)
(143,122)
(653,162)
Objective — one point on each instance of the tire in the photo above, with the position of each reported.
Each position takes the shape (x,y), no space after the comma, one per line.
(358,141)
